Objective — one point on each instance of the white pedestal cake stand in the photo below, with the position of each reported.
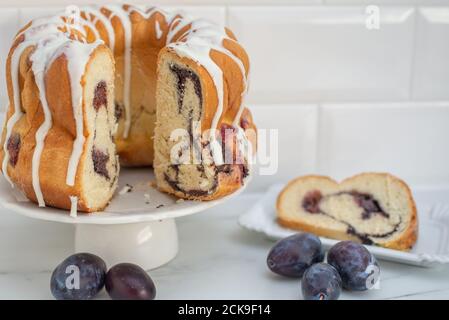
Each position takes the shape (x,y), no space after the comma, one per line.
(138,226)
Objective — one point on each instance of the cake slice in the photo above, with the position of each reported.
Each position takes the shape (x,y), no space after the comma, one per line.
(371,208)
(184,162)
(72,164)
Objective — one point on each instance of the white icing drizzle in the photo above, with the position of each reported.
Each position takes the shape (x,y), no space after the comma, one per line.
(199,40)
(17,107)
(73,206)
(148,12)
(45,34)
(176,25)
(158,29)
(77,56)
(236,122)
(43,53)
(92,28)
(105,21)
(49,42)
(119,12)
(196,44)
(32,36)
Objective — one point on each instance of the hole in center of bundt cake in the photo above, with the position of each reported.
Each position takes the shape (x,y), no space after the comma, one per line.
(100,95)
(183,75)
(100,159)
(13,147)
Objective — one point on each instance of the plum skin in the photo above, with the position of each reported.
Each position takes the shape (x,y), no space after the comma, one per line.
(127,281)
(355,264)
(321,282)
(92,273)
(291,256)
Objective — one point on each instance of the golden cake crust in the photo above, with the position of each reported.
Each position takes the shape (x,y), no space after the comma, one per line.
(137,148)
(59,140)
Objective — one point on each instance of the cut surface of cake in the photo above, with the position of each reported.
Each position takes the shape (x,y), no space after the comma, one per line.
(185,163)
(87,89)
(372,208)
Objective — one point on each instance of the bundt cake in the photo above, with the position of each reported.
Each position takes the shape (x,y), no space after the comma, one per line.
(371,208)
(123,85)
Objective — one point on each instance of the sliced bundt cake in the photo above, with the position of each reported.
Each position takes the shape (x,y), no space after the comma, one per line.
(86,86)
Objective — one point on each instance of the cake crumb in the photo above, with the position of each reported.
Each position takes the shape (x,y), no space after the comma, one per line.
(152,183)
(73,206)
(141,185)
(179,200)
(126,189)
(147,198)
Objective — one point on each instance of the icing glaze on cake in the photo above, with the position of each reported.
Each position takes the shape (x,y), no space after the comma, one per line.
(77,37)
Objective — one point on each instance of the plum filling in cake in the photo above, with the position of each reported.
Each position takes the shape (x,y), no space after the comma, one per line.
(187,163)
(313,200)
(208,173)
(13,148)
(118,111)
(100,159)
(183,75)
(233,157)
(102,169)
(244,123)
(369,204)
(172,177)
(100,96)
(244,170)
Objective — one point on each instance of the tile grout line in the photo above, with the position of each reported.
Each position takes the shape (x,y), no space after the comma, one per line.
(410,94)
(317,165)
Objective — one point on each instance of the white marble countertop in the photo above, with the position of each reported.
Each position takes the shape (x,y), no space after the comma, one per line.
(217,260)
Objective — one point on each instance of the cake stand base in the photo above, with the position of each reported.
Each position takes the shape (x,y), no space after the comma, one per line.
(137,226)
(148,244)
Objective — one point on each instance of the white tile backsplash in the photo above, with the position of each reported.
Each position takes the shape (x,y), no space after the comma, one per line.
(8,28)
(325,53)
(431,78)
(406,139)
(216,14)
(296,126)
